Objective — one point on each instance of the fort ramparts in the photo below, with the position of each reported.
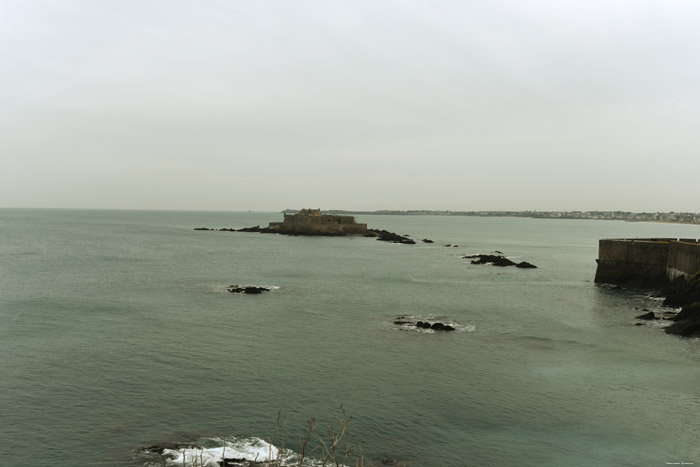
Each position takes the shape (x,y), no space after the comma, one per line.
(646,262)
(313,222)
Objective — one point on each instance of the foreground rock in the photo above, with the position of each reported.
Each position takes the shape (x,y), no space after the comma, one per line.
(250,289)
(498,260)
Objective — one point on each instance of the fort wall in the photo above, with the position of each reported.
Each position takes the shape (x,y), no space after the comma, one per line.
(683,258)
(312,222)
(646,262)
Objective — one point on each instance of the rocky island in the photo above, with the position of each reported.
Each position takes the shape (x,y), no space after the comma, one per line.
(312,222)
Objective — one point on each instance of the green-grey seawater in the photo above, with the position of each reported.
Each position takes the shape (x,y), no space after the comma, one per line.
(116,333)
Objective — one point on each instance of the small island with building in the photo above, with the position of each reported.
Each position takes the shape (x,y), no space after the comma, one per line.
(312,222)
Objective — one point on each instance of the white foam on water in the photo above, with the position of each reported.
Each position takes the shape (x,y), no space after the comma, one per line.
(210,451)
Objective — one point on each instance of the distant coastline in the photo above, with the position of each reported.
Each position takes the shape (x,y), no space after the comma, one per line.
(665,217)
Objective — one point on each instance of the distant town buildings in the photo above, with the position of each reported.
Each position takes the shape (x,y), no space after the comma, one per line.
(674,217)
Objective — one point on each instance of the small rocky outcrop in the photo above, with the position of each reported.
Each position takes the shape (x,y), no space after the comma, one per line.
(441,327)
(435,326)
(257,228)
(386,236)
(249,289)
(427,240)
(648,316)
(498,260)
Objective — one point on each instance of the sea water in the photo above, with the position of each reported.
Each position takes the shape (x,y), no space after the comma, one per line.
(117,333)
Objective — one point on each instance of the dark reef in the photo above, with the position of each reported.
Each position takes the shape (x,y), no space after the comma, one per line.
(498,260)
(386,236)
(381,235)
(247,289)
(435,326)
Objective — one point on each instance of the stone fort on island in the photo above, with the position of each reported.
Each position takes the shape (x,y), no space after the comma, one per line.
(314,222)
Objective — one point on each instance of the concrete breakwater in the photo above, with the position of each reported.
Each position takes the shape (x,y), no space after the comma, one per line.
(646,262)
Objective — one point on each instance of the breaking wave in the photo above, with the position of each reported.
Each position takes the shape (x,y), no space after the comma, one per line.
(220,452)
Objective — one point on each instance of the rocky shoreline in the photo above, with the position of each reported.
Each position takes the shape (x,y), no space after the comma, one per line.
(684,293)
(381,235)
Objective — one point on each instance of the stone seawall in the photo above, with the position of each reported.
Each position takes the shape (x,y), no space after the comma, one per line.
(646,262)
(319,228)
(683,259)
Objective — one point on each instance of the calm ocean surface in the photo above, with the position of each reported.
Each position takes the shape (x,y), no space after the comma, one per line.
(116,333)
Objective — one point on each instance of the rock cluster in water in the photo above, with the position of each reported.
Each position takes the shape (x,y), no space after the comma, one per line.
(381,235)
(498,260)
(683,293)
(435,326)
(386,236)
(248,289)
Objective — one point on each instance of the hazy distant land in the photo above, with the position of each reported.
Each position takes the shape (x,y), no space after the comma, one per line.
(674,217)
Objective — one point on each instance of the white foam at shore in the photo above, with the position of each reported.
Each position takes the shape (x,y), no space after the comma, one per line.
(210,451)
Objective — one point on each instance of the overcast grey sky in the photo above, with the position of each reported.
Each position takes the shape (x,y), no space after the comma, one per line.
(350,104)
